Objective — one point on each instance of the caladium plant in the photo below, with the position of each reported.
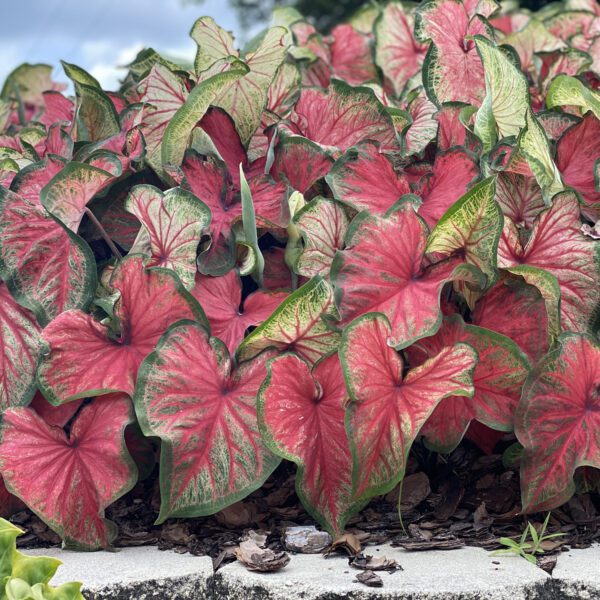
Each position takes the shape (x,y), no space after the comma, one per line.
(318,249)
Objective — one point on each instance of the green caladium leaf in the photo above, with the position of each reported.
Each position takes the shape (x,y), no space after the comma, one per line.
(173,223)
(473,226)
(299,324)
(97,118)
(250,233)
(243,99)
(569,91)
(181,124)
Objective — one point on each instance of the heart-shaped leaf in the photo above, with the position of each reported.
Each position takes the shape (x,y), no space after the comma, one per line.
(204,411)
(87,358)
(173,224)
(301,414)
(388,408)
(68,480)
(558,422)
(382,270)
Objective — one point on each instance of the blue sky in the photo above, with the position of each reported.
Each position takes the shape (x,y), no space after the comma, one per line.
(100,35)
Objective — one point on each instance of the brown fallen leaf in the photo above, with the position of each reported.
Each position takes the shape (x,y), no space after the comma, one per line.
(415,489)
(260,559)
(370,563)
(369,578)
(437,542)
(347,543)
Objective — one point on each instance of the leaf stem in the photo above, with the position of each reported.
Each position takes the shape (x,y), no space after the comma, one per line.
(103,233)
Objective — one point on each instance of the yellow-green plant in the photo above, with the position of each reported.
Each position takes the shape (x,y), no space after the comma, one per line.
(25,577)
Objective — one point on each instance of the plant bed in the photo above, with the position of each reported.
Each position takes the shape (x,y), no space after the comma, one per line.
(347,279)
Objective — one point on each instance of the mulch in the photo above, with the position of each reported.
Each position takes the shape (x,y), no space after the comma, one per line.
(448,501)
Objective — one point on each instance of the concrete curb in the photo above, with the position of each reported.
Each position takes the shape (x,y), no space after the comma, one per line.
(467,574)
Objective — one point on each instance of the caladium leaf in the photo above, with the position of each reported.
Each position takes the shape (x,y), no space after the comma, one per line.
(300,162)
(516,310)
(29,181)
(576,155)
(68,480)
(498,377)
(245,99)
(351,58)
(388,409)
(473,226)
(452,71)
(558,421)
(56,416)
(365,179)
(451,131)
(179,128)
(149,301)
(19,335)
(519,197)
(502,113)
(164,93)
(67,194)
(221,300)
(214,43)
(569,91)
(382,270)
(397,52)
(557,246)
(301,416)
(323,224)
(452,173)
(299,324)
(204,412)
(173,224)
(342,116)
(47,268)
(424,126)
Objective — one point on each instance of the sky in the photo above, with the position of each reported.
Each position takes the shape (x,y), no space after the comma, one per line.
(101,35)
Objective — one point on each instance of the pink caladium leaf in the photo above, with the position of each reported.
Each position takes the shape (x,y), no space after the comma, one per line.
(30,181)
(19,351)
(351,58)
(382,270)
(520,198)
(67,194)
(576,154)
(558,246)
(163,93)
(452,173)
(388,408)
(221,300)
(56,416)
(149,301)
(398,54)
(69,479)
(300,162)
(558,422)
(451,132)
(516,310)
(498,377)
(301,416)
(173,223)
(423,128)
(483,437)
(323,224)
(204,411)
(341,117)
(452,71)
(366,179)
(56,108)
(48,268)
(302,324)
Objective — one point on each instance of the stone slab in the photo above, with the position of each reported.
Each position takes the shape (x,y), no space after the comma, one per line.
(577,573)
(465,574)
(142,573)
(146,573)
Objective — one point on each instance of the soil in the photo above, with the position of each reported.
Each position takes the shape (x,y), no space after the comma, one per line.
(464,498)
